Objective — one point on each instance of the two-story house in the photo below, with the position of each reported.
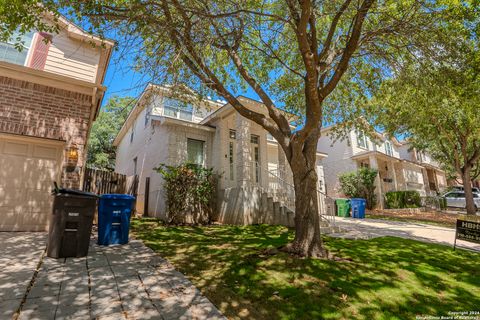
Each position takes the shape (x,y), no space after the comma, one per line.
(50,93)
(254,184)
(435,179)
(396,169)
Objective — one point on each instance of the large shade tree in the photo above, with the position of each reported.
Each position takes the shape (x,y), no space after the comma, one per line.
(434,101)
(310,57)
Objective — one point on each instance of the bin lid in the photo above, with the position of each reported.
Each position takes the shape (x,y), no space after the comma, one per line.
(75,192)
(342,200)
(117,196)
(358,199)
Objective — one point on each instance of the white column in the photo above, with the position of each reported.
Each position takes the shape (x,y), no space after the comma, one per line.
(378,190)
(394,176)
(426,182)
(219,151)
(244,156)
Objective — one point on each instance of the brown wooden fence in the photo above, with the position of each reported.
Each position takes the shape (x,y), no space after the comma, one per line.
(102,181)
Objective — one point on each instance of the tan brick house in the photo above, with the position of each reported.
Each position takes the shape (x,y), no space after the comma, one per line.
(50,94)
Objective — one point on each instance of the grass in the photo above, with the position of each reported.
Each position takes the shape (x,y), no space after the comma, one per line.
(382,278)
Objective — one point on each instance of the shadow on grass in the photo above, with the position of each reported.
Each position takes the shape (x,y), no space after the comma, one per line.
(381,278)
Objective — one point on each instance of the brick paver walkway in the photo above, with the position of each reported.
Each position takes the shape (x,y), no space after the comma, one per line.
(116,282)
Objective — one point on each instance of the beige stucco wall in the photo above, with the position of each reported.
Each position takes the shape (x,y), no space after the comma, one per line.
(338,161)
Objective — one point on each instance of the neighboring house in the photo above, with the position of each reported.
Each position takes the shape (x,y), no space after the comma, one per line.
(254,177)
(434,178)
(396,170)
(50,93)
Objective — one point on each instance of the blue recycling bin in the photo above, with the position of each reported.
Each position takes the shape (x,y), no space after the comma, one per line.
(358,207)
(114,211)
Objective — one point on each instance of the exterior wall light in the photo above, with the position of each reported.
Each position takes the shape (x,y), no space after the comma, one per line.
(73,154)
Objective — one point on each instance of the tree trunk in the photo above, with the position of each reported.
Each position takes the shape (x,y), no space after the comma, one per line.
(467,187)
(307,241)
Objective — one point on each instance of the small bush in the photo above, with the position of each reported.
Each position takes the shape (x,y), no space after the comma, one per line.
(360,184)
(402,199)
(190,193)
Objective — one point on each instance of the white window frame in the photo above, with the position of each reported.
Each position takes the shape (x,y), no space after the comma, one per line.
(362,137)
(176,109)
(203,151)
(389,149)
(25,48)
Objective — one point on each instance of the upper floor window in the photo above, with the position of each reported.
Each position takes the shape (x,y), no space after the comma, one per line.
(254,139)
(195,152)
(9,50)
(362,140)
(233,134)
(420,157)
(177,109)
(388,148)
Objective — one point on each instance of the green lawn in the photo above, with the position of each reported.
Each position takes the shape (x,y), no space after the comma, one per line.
(383,278)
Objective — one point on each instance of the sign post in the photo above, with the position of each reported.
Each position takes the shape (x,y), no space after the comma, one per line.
(467,231)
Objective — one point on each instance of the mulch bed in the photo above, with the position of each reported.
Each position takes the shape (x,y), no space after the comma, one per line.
(443,218)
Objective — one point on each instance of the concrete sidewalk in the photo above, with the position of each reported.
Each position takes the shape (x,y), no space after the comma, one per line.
(116,282)
(372,228)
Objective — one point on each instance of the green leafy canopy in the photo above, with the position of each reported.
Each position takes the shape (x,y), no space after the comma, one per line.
(101,152)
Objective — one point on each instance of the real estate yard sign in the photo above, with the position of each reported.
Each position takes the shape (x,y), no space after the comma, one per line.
(467,231)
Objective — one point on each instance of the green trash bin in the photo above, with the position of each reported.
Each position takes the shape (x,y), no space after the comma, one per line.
(343,207)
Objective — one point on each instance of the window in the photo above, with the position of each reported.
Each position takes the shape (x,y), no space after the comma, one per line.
(233,136)
(132,133)
(256,157)
(8,51)
(364,165)
(195,151)
(388,148)
(135,166)
(230,159)
(147,114)
(254,140)
(419,156)
(362,141)
(177,109)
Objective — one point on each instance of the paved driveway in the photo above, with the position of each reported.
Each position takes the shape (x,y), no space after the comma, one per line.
(371,228)
(116,282)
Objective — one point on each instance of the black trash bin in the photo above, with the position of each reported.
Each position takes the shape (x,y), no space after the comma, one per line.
(71,223)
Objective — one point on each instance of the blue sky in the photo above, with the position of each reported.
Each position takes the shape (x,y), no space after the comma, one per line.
(122,80)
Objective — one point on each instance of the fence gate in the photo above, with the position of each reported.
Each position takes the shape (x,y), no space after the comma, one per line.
(103,181)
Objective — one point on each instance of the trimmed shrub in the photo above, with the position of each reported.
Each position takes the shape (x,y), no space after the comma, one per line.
(360,184)
(402,199)
(190,193)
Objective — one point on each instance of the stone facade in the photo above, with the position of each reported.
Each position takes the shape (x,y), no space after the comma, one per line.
(37,110)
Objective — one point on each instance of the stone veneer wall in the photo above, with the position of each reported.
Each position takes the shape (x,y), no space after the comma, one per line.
(40,111)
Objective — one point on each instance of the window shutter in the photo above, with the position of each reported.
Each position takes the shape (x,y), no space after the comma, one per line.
(40,50)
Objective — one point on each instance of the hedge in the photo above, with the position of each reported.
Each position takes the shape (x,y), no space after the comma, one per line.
(402,199)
